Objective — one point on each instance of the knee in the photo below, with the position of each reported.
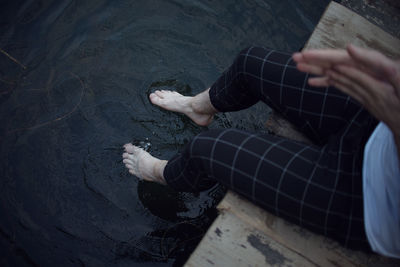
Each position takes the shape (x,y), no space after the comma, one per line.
(247,56)
(202,145)
(248,63)
(241,59)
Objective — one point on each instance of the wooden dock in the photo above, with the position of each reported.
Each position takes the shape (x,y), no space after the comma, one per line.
(246,235)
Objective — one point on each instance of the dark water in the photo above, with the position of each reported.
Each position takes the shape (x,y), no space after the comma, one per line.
(66,199)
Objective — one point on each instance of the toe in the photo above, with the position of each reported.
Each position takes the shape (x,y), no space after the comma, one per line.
(126,156)
(127,145)
(154,95)
(127,162)
(129,167)
(155,100)
(158,93)
(132,157)
(129,148)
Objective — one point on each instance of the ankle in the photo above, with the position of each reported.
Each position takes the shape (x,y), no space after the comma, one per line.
(159,170)
(196,106)
(201,104)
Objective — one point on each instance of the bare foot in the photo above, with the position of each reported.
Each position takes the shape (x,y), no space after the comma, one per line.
(143,165)
(174,101)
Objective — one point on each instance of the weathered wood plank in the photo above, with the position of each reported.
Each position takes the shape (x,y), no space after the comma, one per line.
(312,247)
(246,235)
(232,242)
(340,26)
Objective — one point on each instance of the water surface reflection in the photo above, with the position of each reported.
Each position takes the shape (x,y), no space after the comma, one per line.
(66,198)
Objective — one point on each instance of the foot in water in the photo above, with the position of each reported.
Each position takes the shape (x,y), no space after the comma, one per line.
(197,108)
(143,165)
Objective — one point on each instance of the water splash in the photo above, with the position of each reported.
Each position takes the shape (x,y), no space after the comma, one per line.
(146,145)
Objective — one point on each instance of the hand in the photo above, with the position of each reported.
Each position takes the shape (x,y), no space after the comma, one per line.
(366,75)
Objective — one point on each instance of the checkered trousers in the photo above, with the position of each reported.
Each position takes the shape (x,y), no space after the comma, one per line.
(316,186)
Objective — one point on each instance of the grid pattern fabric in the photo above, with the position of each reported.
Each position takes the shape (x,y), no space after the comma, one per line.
(316,186)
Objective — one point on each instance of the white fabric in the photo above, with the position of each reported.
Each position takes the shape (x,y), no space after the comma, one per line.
(381,186)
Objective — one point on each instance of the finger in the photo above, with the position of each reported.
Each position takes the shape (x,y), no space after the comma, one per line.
(327,57)
(342,87)
(297,57)
(374,108)
(313,69)
(319,81)
(376,63)
(365,82)
(347,86)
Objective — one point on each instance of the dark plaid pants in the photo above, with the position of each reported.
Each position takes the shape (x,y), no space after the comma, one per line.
(316,186)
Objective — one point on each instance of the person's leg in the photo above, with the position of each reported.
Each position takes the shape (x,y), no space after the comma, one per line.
(298,182)
(270,76)
(302,183)
(340,158)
